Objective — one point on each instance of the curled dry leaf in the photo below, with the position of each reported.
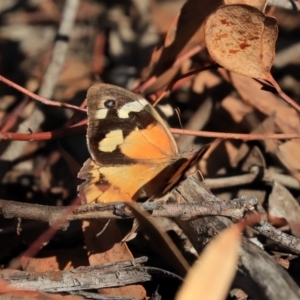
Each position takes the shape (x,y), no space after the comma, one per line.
(282,204)
(216,264)
(242,40)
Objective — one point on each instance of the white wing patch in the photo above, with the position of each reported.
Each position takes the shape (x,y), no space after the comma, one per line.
(135,106)
(100,114)
(111,141)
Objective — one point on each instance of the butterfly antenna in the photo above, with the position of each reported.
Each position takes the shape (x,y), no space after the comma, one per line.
(200,175)
(177,111)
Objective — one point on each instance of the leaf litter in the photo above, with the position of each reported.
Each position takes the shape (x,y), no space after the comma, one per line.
(119,43)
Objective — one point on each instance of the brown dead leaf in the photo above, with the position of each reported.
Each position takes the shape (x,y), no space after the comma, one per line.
(58,259)
(163,14)
(259,4)
(290,150)
(288,154)
(242,40)
(187,32)
(185,38)
(108,248)
(267,103)
(282,204)
(217,264)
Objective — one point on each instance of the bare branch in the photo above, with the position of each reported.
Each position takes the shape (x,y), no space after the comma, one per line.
(63,215)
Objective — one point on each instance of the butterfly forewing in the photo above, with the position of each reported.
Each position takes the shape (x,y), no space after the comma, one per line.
(132,149)
(123,128)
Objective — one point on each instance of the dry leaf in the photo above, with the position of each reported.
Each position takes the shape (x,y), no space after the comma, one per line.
(58,259)
(107,248)
(267,103)
(290,152)
(282,204)
(216,264)
(186,31)
(242,40)
(184,38)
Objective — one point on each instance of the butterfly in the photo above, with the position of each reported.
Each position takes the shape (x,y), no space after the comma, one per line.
(132,149)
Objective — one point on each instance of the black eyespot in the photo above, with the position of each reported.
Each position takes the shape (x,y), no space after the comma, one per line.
(110,103)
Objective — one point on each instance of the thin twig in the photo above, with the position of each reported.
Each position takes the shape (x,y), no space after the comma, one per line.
(236,136)
(48,135)
(37,97)
(80,127)
(11,119)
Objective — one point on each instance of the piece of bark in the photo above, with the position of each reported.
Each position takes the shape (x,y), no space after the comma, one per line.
(83,278)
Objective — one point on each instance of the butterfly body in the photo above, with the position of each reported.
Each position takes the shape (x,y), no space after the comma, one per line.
(132,150)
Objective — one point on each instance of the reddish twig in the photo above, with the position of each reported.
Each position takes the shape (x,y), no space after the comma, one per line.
(141,88)
(10,120)
(49,135)
(181,79)
(236,136)
(37,97)
(80,127)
